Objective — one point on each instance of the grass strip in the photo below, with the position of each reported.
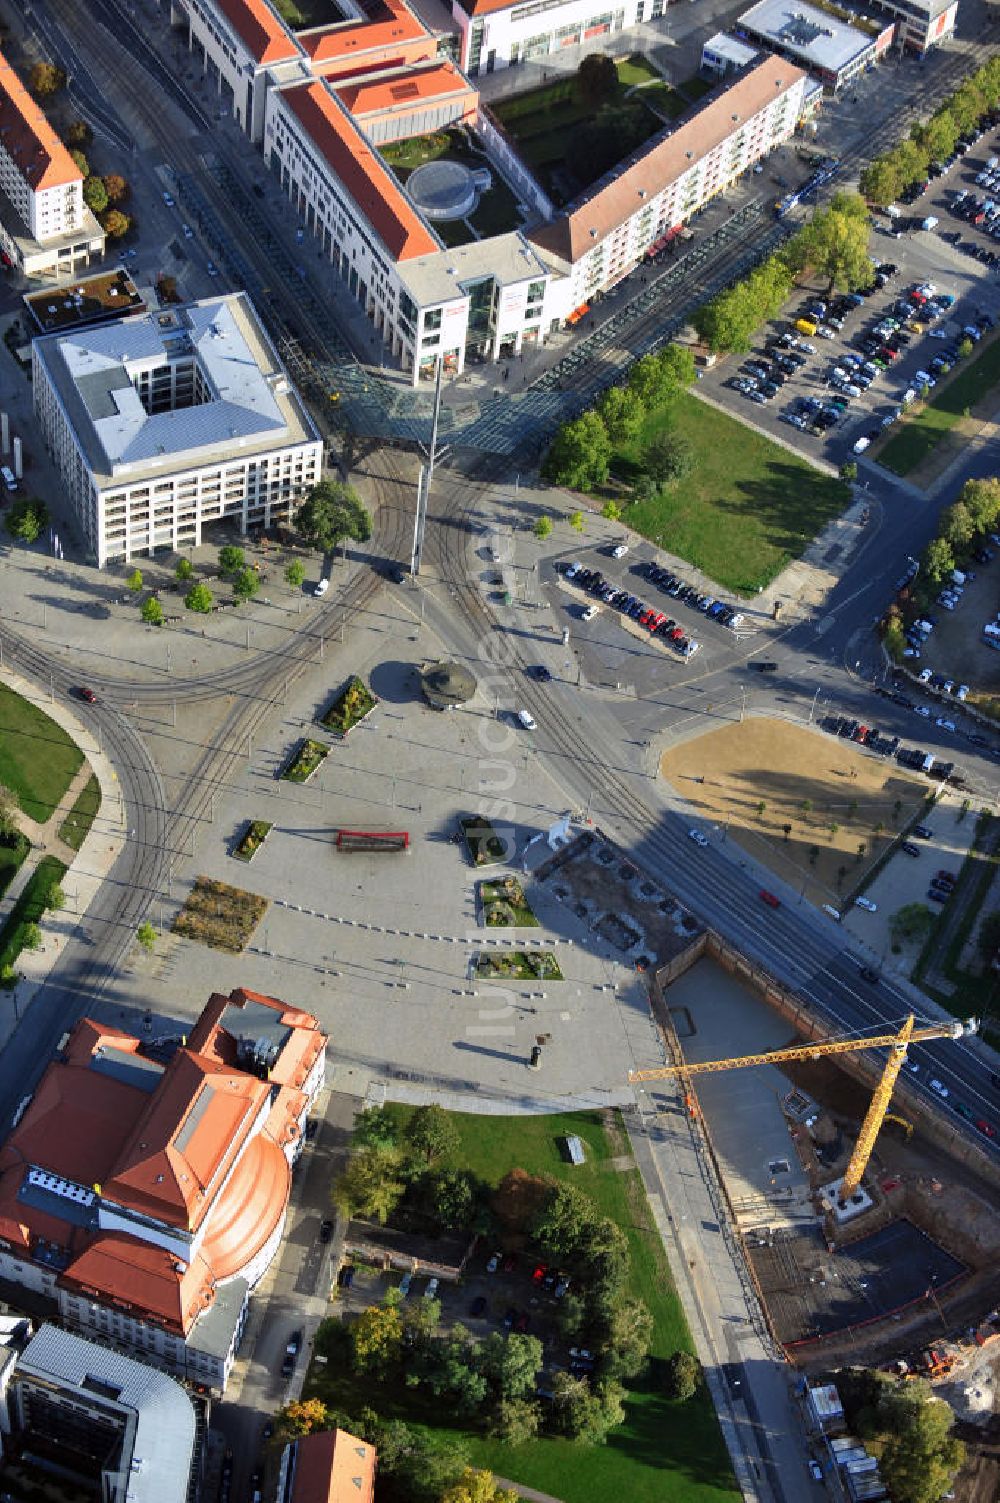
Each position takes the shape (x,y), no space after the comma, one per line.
(76,826)
(27,911)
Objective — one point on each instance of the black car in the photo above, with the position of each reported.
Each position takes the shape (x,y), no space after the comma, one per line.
(326,1230)
(478,1306)
(540,673)
(763,667)
(869,974)
(910,849)
(922,832)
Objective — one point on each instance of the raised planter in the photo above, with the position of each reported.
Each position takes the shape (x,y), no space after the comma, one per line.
(504,905)
(484,844)
(252,839)
(354,702)
(305,759)
(518,965)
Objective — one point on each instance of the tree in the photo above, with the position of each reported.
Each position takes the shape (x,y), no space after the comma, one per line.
(448,1197)
(806,806)
(981,498)
(510,1364)
(627,1339)
(957,525)
(683,1376)
(199,599)
(515,1421)
(677,367)
(912,162)
(518,1200)
(295,573)
(988,938)
(27,519)
(849,471)
(432,1134)
(151,612)
(370,1186)
(622,410)
(134,581)
(580,454)
(299,1418)
(81,162)
(600,143)
(597,77)
(332,513)
(115,187)
(835,243)
(246,584)
(881,181)
(565,1222)
(55,899)
(938,560)
(938,136)
(376,1337)
(115,224)
(8,813)
(478,1487)
(184,570)
(376,1127)
(576,521)
(166,289)
(95,195)
(909,1430)
(146,935)
(45,79)
(761,806)
(668,458)
(32,937)
(78,133)
(965,348)
(582,1413)
(611,511)
(543,528)
(912,921)
(231,560)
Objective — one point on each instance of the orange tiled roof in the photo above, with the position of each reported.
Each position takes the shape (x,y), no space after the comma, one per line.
(333,1467)
(193,1127)
(390,26)
(147,1280)
(259,29)
(28,138)
(248,1211)
(406,89)
(361,170)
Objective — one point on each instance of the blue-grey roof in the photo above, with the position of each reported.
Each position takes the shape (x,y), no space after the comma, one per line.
(245,401)
(814,37)
(159,1438)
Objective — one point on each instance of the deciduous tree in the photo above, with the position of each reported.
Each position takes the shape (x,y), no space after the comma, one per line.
(580,454)
(246,584)
(370,1186)
(510,1364)
(184,569)
(8,812)
(332,513)
(27,519)
(668,458)
(478,1487)
(134,581)
(231,560)
(295,573)
(199,599)
(432,1134)
(81,161)
(151,612)
(683,1375)
(597,77)
(45,79)
(376,1127)
(938,560)
(95,195)
(376,1337)
(116,225)
(622,410)
(542,528)
(115,187)
(299,1418)
(78,133)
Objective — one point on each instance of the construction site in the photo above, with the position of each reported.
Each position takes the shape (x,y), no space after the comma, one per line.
(867,1217)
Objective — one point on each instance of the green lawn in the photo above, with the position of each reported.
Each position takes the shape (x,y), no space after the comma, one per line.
(302,14)
(665,1452)
(923,432)
(76,826)
(38,760)
(542,121)
(13,849)
(747,508)
(696,88)
(662,97)
(28,909)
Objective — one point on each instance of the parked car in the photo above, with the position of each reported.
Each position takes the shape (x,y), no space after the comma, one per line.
(698,837)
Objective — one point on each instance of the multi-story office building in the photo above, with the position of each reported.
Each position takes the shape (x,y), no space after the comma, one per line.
(145,1199)
(45,226)
(922,24)
(498,34)
(163,422)
(832,50)
(102,1422)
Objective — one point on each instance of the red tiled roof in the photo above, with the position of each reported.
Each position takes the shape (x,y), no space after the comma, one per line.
(193,1127)
(28,138)
(259,29)
(392,24)
(361,170)
(74,1124)
(485,7)
(246,1214)
(145,1279)
(333,1466)
(410,88)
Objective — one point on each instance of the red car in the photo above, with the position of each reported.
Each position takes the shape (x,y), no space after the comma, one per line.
(87,695)
(539,1273)
(769,898)
(986,1128)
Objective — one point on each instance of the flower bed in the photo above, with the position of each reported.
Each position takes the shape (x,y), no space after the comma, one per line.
(350,707)
(305,759)
(485,845)
(253,838)
(520,965)
(220,916)
(504,904)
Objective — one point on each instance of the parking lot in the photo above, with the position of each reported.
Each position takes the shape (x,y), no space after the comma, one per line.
(950,648)
(835,372)
(636,619)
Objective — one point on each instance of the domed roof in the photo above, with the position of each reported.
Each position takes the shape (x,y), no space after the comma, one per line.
(446,684)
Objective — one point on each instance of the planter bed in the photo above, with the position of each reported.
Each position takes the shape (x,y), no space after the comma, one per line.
(519,965)
(220,916)
(354,702)
(504,905)
(252,839)
(484,844)
(305,759)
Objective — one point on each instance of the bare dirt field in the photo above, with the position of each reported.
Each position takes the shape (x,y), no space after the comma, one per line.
(815,810)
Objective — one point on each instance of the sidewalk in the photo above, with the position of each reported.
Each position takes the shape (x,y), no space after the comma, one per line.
(88,867)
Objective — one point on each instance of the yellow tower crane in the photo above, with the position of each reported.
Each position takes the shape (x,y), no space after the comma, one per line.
(896,1043)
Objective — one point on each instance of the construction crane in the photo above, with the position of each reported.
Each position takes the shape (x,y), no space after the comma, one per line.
(897,1044)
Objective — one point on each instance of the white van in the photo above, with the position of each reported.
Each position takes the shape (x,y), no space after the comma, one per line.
(9,478)
(833,912)
(527,720)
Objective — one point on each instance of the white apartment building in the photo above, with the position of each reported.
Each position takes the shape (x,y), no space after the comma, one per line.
(45,226)
(496,34)
(161,423)
(646,201)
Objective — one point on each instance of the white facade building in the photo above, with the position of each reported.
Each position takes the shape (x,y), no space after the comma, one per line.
(496,34)
(45,226)
(161,423)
